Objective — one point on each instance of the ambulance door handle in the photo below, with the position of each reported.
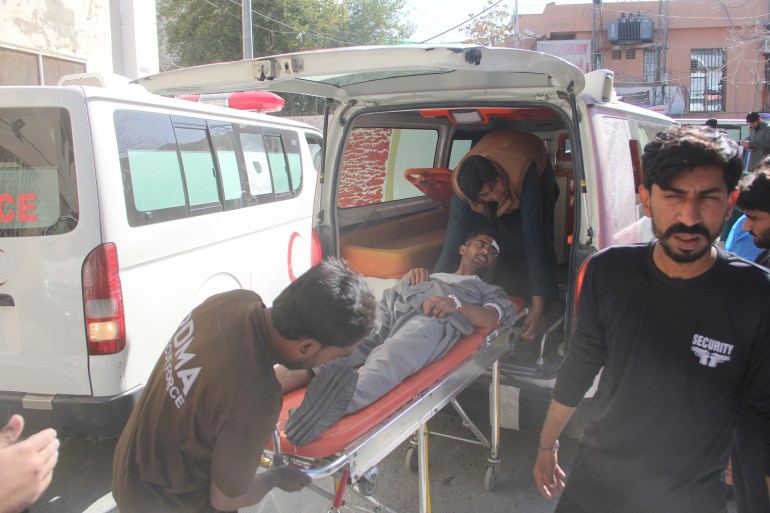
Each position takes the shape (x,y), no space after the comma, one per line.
(6,300)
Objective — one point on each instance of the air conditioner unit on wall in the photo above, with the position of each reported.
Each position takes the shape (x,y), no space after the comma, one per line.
(766,45)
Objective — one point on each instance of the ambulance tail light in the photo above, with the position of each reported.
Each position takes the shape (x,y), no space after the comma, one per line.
(316,251)
(103,301)
(578,288)
(257,101)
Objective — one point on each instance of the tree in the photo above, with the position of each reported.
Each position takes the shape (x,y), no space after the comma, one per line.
(205,31)
(492,28)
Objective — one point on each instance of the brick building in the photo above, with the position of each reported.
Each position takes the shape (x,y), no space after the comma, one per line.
(687,58)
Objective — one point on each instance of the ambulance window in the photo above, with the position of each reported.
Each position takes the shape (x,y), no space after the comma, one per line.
(199,170)
(279,166)
(374,162)
(257,168)
(294,159)
(152,172)
(234,184)
(315,143)
(459,148)
(647,132)
(38,185)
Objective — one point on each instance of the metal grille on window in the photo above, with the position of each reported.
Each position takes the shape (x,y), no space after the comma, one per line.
(650,66)
(707,80)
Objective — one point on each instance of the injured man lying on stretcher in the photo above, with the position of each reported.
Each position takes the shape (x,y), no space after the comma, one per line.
(421,318)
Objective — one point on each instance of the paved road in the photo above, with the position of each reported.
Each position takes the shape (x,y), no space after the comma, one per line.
(456,478)
(457,471)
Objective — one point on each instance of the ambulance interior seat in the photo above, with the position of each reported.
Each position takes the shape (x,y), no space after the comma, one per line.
(435,182)
(391,248)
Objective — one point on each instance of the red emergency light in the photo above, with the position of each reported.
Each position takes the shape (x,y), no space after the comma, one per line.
(258,101)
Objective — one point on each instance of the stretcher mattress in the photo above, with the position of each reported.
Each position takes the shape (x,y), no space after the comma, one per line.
(352,427)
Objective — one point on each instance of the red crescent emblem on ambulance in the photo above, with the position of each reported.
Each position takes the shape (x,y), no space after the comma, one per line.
(293,237)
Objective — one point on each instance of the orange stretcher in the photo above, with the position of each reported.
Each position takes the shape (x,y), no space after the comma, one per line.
(351,449)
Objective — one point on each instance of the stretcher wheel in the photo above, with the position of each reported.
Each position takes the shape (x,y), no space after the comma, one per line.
(367,486)
(411,459)
(490,478)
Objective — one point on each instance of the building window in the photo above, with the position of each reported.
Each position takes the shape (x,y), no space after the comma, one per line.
(616,55)
(630,54)
(28,67)
(707,79)
(650,66)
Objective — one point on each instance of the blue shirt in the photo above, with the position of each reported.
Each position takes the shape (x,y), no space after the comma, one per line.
(740,242)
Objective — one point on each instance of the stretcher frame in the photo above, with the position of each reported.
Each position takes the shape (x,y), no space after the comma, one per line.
(359,457)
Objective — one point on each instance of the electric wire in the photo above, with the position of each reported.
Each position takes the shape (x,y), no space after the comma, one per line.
(464,22)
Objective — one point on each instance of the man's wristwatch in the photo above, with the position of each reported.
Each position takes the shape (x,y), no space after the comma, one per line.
(555,446)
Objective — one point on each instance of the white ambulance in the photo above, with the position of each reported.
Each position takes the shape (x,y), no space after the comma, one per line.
(405,116)
(121,210)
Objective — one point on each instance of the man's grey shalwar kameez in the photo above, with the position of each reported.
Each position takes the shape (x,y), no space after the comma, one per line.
(409,340)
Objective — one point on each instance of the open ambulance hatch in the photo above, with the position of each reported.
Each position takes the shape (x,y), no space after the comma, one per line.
(390,74)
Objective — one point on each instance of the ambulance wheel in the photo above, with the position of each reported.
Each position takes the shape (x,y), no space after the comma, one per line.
(411,459)
(367,486)
(489,478)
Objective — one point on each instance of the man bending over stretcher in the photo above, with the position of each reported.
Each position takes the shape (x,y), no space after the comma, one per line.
(422,317)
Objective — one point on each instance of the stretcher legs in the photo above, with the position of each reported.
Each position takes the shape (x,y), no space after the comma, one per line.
(493,463)
(414,452)
(422,453)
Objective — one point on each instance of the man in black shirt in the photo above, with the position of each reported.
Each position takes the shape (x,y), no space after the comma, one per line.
(682,333)
(751,450)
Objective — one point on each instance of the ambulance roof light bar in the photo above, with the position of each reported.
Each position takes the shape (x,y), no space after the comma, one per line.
(259,101)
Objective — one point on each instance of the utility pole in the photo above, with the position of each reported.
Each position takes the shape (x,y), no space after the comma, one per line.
(248,41)
(515,23)
(597,41)
(663,84)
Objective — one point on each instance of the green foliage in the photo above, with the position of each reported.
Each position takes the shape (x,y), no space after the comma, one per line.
(205,31)
(492,28)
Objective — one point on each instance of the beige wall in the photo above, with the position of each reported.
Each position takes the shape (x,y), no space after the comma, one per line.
(56,37)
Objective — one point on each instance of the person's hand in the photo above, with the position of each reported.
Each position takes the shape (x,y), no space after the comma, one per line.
(11,431)
(439,306)
(290,478)
(549,477)
(26,467)
(418,275)
(529,326)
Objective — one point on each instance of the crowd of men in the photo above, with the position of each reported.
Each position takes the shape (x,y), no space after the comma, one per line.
(678,328)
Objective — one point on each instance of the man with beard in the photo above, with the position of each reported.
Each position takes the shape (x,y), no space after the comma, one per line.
(681,331)
(195,439)
(422,316)
(758,144)
(754,200)
(750,454)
